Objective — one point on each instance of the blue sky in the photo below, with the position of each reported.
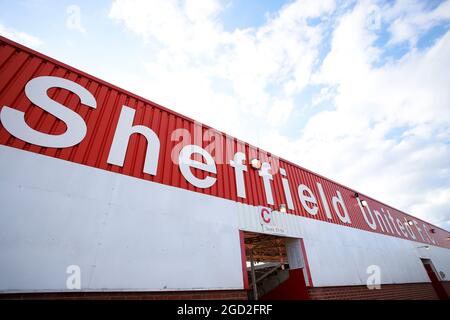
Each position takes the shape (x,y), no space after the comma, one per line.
(357,91)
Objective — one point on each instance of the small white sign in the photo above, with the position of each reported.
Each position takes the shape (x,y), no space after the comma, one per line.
(268,225)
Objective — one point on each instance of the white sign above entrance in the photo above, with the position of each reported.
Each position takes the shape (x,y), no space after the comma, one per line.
(267,221)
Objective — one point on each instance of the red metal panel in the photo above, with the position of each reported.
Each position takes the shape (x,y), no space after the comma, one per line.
(18,65)
(243,260)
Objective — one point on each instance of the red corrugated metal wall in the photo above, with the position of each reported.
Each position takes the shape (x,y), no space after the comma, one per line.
(18,65)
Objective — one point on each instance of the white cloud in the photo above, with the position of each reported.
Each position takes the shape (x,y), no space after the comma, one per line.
(21,37)
(386,129)
(370,103)
(279,112)
(409,19)
(186,27)
(225,79)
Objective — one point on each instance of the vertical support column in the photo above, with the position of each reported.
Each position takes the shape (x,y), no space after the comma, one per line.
(244,260)
(252,264)
(307,270)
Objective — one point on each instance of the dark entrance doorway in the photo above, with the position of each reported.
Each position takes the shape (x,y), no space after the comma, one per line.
(275,267)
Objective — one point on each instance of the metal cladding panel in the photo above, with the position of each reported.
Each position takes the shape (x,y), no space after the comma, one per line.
(18,65)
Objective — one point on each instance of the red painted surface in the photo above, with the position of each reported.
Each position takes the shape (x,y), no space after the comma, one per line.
(305,257)
(244,260)
(446,285)
(19,64)
(142,295)
(437,285)
(294,288)
(404,291)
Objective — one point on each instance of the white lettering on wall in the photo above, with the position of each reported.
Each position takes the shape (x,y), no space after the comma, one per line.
(387,220)
(372,224)
(380,219)
(324,201)
(121,139)
(426,228)
(36,90)
(267,177)
(238,163)
(73,281)
(339,202)
(393,222)
(401,227)
(286,189)
(409,229)
(186,163)
(307,198)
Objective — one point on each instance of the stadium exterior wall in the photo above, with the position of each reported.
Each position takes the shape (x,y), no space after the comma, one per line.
(134,215)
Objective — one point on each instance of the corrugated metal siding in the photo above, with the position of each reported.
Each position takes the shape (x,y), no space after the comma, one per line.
(19,64)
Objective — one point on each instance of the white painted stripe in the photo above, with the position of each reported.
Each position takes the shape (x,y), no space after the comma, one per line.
(339,255)
(131,234)
(124,233)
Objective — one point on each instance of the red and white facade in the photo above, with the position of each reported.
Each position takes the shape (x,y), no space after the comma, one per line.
(143,199)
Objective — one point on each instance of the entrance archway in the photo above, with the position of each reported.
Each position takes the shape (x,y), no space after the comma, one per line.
(275,267)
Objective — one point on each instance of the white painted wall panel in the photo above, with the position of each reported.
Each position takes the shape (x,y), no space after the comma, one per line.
(131,234)
(440,258)
(124,233)
(340,255)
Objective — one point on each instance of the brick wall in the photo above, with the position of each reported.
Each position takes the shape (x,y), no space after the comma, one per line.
(175,295)
(446,285)
(406,291)
(412,291)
